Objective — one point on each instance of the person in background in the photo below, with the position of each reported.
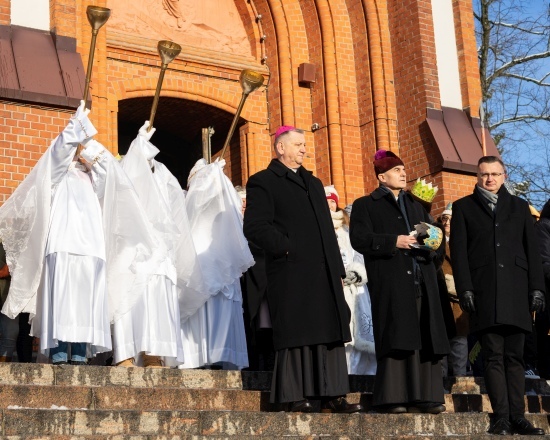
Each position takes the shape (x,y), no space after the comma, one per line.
(259,331)
(409,329)
(457,361)
(9,328)
(542,322)
(360,352)
(499,280)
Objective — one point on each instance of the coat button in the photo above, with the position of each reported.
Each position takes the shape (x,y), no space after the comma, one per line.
(501,265)
(409,272)
(400,217)
(377,246)
(496,224)
(406,253)
(498,244)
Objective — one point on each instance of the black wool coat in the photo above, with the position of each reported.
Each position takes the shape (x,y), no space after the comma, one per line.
(542,229)
(376,221)
(287,216)
(496,255)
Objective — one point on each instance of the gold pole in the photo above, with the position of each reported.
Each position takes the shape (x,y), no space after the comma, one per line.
(250,81)
(167,50)
(97,16)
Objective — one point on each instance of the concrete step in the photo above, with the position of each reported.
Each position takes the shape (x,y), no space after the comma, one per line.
(237,425)
(137,377)
(155,399)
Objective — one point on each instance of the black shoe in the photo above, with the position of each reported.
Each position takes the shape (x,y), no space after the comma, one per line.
(392,409)
(427,408)
(340,405)
(501,427)
(522,426)
(61,363)
(79,362)
(301,406)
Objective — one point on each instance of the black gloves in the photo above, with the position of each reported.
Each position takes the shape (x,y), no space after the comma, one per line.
(466,300)
(537,302)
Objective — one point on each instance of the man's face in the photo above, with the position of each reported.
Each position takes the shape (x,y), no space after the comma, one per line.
(446,220)
(291,150)
(490,176)
(395,178)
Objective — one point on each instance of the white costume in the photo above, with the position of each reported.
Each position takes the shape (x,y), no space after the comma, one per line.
(215,334)
(153,325)
(360,352)
(66,245)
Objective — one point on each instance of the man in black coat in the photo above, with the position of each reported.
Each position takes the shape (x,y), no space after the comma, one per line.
(288,217)
(499,281)
(542,229)
(409,330)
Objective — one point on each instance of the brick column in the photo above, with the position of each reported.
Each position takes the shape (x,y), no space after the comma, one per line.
(470,85)
(63,17)
(5,12)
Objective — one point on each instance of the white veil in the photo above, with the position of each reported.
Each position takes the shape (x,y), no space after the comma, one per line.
(214,210)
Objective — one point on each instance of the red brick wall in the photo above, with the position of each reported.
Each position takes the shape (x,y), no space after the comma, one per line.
(5,11)
(386,112)
(27,132)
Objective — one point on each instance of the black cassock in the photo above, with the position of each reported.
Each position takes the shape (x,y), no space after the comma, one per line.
(409,329)
(288,217)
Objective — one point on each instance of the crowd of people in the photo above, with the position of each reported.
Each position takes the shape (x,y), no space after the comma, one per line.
(112,262)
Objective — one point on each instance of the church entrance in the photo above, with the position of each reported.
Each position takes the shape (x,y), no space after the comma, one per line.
(178,135)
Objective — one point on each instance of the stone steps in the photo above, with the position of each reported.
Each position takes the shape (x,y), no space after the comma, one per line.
(236,425)
(141,399)
(40,401)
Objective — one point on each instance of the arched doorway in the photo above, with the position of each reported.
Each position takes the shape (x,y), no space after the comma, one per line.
(178,135)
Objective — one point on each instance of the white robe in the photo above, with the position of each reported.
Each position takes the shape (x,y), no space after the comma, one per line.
(360,351)
(153,325)
(130,251)
(72,296)
(215,333)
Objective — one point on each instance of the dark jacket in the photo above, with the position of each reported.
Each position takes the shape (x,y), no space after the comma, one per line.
(288,217)
(376,221)
(4,282)
(495,255)
(542,229)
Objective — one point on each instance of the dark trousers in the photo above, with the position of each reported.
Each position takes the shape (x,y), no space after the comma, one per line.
(502,351)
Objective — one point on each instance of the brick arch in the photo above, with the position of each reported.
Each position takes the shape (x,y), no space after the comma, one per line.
(207,94)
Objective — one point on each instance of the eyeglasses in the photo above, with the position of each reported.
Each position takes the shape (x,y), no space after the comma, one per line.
(493,175)
(445,219)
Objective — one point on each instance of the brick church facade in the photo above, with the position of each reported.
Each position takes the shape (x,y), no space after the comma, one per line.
(357,75)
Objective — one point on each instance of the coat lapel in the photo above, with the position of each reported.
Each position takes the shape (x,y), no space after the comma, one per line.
(281,170)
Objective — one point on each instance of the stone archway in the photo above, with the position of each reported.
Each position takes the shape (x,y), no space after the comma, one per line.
(178,135)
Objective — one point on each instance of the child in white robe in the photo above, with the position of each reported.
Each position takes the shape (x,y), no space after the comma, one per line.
(71,302)
(215,334)
(152,330)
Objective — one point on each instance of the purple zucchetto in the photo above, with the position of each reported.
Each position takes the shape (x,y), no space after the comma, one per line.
(283,129)
(385,160)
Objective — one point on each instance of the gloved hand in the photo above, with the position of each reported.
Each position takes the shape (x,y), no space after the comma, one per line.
(467,303)
(537,302)
(352,277)
(146,134)
(82,111)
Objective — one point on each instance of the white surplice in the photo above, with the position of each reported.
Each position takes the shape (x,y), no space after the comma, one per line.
(129,258)
(153,325)
(215,333)
(71,301)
